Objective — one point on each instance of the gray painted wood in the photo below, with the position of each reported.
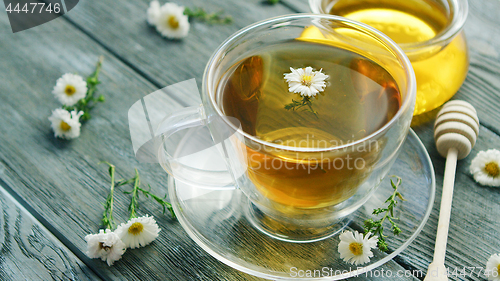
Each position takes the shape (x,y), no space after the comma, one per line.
(474,220)
(62,181)
(28,251)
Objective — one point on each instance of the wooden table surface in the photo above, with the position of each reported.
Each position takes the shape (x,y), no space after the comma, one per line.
(51,191)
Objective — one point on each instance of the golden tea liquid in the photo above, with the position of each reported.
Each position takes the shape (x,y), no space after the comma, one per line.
(360,98)
(439,72)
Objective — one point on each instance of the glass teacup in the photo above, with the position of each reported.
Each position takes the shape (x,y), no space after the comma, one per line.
(301,184)
(428,31)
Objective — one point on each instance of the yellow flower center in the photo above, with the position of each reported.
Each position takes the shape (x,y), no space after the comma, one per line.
(136,228)
(498,268)
(356,248)
(70,90)
(64,126)
(492,169)
(173,22)
(307,80)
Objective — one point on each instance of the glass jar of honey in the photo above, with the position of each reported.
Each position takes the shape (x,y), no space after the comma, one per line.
(429,32)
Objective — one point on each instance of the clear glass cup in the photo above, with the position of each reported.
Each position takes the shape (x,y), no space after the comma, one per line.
(295,210)
(429,32)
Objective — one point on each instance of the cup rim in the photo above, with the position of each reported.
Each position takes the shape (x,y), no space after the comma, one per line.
(406,105)
(459,10)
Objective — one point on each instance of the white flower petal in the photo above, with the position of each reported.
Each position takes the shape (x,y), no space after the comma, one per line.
(153,12)
(171,21)
(65,124)
(105,245)
(147,234)
(367,243)
(477,167)
(71,81)
(310,82)
(492,267)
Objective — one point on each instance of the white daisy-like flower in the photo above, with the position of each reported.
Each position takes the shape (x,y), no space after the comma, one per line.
(493,268)
(153,12)
(105,245)
(171,21)
(485,167)
(138,232)
(66,125)
(70,88)
(355,249)
(306,81)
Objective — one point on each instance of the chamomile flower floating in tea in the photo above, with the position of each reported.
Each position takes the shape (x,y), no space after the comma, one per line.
(69,89)
(485,167)
(105,245)
(493,268)
(356,248)
(66,124)
(138,232)
(306,81)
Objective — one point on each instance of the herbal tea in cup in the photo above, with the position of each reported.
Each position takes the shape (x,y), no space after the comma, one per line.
(430,33)
(353,104)
(315,124)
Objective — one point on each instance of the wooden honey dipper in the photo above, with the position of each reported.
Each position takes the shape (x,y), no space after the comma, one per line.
(455,132)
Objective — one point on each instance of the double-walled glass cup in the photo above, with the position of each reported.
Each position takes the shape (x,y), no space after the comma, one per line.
(318,185)
(429,32)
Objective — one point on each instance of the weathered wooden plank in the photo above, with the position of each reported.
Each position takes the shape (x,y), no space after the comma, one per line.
(28,251)
(113,145)
(474,218)
(475,209)
(61,179)
(161,60)
(190,55)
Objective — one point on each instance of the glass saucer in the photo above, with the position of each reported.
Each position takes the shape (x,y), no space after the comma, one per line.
(216,220)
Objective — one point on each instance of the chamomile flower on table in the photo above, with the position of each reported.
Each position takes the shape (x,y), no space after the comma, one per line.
(69,89)
(65,124)
(105,245)
(485,167)
(306,81)
(153,12)
(169,20)
(138,232)
(493,268)
(355,248)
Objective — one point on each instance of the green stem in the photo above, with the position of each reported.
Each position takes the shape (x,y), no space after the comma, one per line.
(160,200)
(88,102)
(212,18)
(107,216)
(133,201)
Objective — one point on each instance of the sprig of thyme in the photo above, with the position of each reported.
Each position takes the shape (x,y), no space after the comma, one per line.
(107,216)
(377,227)
(210,18)
(90,101)
(306,101)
